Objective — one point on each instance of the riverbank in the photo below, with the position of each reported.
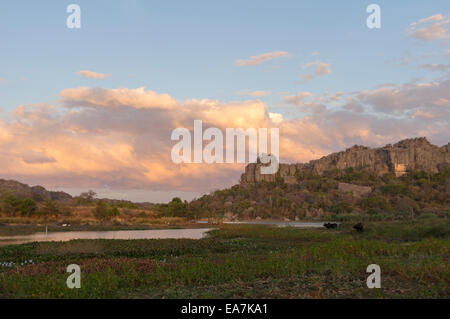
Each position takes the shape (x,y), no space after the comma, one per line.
(242,261)
(15,227)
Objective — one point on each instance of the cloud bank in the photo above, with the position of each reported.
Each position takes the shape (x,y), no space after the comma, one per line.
(120,138)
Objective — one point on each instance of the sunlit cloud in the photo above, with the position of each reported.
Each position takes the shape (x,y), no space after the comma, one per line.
(434,27)
(115,98)
(321,69)
(93,75)
(258,59)
(259,93)
(120,138)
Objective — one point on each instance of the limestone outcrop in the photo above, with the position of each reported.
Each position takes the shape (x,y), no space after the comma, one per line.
(408,154)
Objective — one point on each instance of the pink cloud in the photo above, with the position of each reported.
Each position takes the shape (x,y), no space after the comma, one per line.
(258,59)
(93,75)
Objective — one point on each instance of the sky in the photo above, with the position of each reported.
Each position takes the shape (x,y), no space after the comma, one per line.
(94,107)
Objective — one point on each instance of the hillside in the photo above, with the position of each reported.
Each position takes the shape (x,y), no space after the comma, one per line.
(406,180)
(37,193)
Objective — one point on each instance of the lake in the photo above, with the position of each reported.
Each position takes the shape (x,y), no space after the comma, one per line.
(119,234)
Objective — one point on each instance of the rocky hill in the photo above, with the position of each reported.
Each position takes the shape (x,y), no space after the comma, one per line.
(404,181)
(406,155)
(38,193)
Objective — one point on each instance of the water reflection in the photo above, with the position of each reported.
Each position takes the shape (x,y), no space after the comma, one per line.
(120,234)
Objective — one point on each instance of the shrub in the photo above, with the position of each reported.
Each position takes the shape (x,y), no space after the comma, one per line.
(395,189)
(50,208)
(375,202)
(104,212)
(343,207)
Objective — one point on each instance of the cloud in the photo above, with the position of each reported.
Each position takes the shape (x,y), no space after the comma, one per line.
(116,98)
(258,59)
(336,96)
(435,67)
(306,98)
(276,117)
(120,138)
(409,96)
(434,27)
(321,69)
(37,158)
(254,93)
(93,75)
(299,98)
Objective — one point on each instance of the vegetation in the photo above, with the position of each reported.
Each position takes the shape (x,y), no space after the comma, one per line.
(411,196)
(241,262)
(103,211)
(317,197)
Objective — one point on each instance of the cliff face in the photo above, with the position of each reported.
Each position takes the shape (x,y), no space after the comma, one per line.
(409,154)
(37,193)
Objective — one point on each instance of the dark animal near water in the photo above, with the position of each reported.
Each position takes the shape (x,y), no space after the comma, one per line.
(330,225)
(359,227)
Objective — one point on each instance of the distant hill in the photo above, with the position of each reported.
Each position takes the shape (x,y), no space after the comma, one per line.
(37,193)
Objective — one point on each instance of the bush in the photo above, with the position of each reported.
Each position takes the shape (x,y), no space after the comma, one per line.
(427,216)
(375,202)
(343,207)
(104,212)
(50,208)
(395,189)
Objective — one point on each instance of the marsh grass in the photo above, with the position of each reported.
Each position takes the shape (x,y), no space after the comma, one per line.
(242,261)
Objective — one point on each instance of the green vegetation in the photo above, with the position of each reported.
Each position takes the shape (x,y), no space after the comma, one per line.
(409,197)
(244,261)
(104,211)
(317,197)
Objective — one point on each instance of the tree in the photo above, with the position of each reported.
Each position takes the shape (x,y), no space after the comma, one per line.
(87,197)
(10,204)
(177,208)
(28,207)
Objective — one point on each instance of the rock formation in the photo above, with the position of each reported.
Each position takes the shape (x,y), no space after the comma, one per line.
(408,154)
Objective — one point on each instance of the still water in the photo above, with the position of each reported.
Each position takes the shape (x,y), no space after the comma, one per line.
(119,234)
(278,223)
(284,224)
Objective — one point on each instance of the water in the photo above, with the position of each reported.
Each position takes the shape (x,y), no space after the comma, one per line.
(119,234)
(277,223)
(283,224)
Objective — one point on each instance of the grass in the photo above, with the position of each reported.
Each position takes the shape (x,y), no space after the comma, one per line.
(242,261)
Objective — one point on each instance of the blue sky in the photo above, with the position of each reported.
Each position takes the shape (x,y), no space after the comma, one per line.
(190,50)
